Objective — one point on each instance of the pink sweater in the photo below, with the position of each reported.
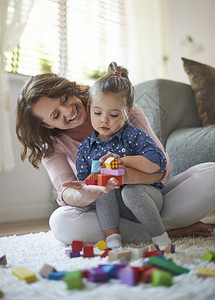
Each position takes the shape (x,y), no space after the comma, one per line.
(61,164)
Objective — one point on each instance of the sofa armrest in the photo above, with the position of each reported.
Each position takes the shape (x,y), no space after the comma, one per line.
(168,105)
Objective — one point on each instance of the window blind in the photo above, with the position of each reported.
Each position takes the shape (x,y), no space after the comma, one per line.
(73,38)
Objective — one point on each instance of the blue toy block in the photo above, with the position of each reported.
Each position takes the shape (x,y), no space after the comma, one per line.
(95,165)
(56,275)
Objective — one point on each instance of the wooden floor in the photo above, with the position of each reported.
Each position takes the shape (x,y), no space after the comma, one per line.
(24,227)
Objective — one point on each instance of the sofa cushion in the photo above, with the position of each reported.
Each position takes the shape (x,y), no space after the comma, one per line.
(202,79)
(168,105)
(190,146)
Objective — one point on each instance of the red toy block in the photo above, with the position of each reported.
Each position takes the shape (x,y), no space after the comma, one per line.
(91,179)
(103,178)
(147,274)
(88,250)
(154,253)
(105,253)
(77,245)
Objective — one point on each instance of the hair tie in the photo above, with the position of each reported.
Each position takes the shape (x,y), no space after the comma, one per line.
(117,73)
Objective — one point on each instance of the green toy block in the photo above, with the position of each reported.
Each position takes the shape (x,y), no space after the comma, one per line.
(161,278)
(168,265)
(73,280)
(209,256)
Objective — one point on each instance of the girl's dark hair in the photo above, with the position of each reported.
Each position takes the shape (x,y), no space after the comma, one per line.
(115,81)
(33,136)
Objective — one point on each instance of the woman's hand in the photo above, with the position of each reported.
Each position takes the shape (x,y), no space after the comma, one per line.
(77,193)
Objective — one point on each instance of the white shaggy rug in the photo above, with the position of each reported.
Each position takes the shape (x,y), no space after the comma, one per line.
(34,250)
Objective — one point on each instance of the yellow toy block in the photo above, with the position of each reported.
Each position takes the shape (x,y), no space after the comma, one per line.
(24,274)
(206,272)
(102,245)
(112,163)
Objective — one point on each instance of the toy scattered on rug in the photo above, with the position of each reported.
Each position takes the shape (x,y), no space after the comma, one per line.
(101,177)
(156,269)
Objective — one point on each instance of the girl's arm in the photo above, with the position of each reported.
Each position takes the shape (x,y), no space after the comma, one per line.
(139,119)
(140,163)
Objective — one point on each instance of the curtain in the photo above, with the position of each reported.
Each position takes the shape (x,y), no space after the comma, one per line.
(12,23)
(146,39)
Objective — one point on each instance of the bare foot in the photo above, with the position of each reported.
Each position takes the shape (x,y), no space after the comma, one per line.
(196,229)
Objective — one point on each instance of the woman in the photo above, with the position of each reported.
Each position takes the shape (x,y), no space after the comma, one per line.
(52,120)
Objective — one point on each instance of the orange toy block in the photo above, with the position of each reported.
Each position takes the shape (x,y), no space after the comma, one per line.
(91,179)
(112,163)
(103,178)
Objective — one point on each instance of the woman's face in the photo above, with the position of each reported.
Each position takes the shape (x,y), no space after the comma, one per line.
(64,112)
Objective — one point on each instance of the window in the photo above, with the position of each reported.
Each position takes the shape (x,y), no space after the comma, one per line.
(73,38)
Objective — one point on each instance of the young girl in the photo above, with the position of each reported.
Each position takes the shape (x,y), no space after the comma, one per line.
(111,102)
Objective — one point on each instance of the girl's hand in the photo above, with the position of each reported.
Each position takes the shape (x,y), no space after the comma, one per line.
(77,193)
(110,154)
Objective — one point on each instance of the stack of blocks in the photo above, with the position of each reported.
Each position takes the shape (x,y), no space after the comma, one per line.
(104,174)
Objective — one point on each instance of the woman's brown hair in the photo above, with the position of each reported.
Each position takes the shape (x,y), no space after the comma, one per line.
(34,137)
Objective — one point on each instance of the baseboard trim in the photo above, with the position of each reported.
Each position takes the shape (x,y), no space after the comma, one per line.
(26,211)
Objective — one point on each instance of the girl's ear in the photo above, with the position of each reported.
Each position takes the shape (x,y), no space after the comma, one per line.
(47,126)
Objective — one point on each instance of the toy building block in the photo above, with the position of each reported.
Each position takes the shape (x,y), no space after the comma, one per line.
(127,276)
(56,275)
(88,250)
(170,248)
(24,274)
(92,179)
(112,163)
(116,172)
(77,245)
(72,254)
(168,265)
(103,178)
(206,272)
(154,253)
(85,273)
(147,274)
(119,254)
(209,256)
(94,166)
(3,260)
(111,271)
(105,253)
(45,270)
(73,280)
(101,245)
(138,252)
(97,275)
(1,294)
(161,278)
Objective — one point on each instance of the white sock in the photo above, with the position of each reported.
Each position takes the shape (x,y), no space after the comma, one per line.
(114,240)
(162,240)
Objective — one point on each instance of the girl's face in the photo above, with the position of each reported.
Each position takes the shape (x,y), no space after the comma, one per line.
(64,112)
(108,114)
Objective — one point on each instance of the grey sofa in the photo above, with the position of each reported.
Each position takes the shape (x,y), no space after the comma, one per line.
(171,110)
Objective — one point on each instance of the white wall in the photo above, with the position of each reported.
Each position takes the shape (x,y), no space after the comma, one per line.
(193,18)
(25,191)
